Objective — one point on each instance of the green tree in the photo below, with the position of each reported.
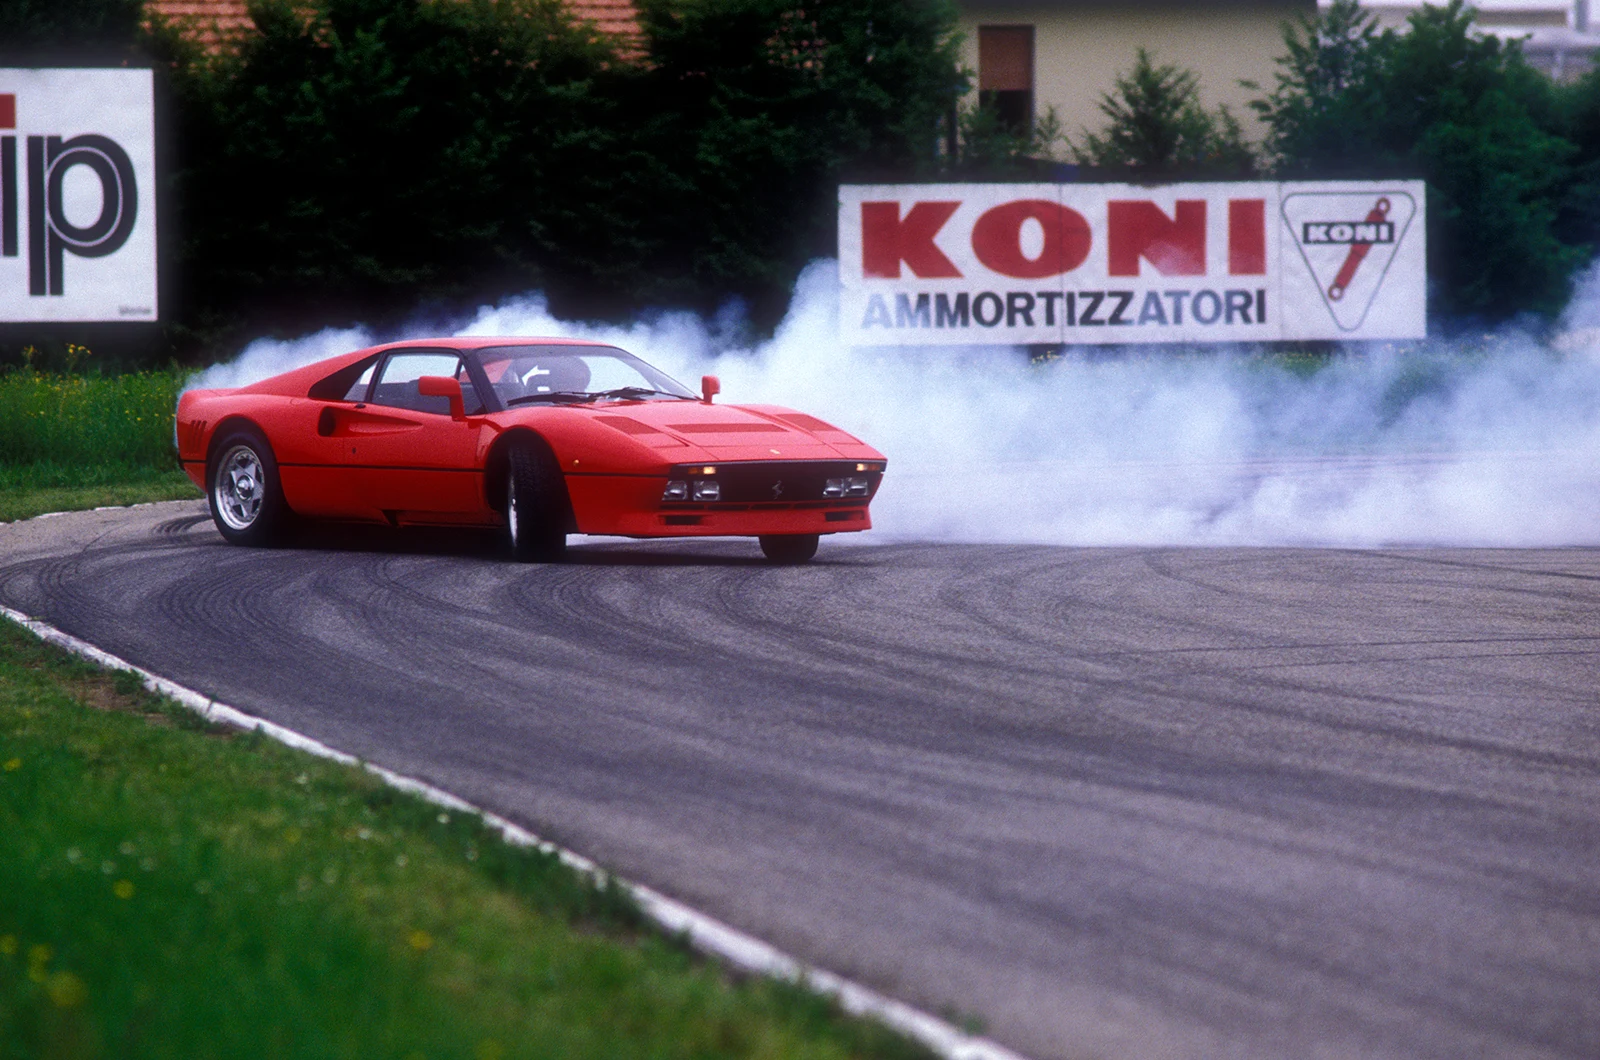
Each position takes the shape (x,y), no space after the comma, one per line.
(989,148)
(1158,128)
(59,30)
(1329,86)
(354,158)
(359,159)
(1462,111)
(754,110)
(1579,223)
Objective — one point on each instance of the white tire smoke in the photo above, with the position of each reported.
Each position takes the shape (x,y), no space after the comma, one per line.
(1494,443)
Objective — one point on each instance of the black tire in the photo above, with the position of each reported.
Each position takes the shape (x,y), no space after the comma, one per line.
(789,548)
(244,491)
(536,524)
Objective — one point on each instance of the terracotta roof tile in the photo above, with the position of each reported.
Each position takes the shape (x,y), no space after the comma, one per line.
(212,22)
(616,17)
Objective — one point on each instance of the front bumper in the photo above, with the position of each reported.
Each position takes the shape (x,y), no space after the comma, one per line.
(750,523)
(633,506)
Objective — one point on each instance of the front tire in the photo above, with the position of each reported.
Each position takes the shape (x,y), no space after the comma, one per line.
(789,548)
(245,493)
(535,524)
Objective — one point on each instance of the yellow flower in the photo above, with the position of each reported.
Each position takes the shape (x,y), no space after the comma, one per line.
(420,940)
(38,957)
(13,764)
(66,990)
(122,888)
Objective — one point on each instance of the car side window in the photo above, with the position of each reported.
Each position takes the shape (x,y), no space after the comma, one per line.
(397,382)
(347,384)
(358,389)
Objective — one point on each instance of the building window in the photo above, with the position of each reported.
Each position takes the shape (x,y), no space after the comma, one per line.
(1005,74)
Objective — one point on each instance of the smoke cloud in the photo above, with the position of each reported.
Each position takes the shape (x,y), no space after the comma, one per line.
(1495,442)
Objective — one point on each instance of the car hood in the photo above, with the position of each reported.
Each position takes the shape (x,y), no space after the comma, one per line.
(731,432)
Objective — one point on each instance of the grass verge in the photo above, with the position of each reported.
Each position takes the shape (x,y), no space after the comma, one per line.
(90,419)
(72,441)
(168,889)
(33,489)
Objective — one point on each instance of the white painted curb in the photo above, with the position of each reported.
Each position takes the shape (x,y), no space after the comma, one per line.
(705,933)
(102,508)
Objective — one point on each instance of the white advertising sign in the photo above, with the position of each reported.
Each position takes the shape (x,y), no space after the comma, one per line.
(983,264)
(77,195)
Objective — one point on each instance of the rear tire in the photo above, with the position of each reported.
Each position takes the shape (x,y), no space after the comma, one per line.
(535,517)
(789,548)
(244,491)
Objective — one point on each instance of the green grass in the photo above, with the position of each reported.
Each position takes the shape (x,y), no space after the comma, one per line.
(34,489)
(170,890)
(87,420)
(83,441)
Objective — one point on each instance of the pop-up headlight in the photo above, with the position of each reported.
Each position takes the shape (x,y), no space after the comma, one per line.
(675,491)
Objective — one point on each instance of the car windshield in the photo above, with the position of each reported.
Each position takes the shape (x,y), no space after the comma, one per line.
(556,373)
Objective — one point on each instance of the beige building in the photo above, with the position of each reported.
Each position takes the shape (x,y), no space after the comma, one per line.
(1557,35)
(1035,54)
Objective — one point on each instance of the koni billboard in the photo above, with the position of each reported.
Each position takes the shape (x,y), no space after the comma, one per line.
(976,264)
(77,195)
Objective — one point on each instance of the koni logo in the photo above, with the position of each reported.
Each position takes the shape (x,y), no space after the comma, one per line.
(1005,264)
(1349,257)
(1061,239)
(76,148)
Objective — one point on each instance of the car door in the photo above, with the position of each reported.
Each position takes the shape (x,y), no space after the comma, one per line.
(313,448)
(416,463)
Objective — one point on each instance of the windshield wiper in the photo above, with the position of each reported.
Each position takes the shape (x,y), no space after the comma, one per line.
(581,396)
(636,391)
(568,396)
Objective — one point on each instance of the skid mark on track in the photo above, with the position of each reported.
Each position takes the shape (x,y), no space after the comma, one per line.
(1101,780)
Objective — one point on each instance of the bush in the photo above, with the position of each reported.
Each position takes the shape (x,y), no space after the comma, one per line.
(1158,129)
(756,109)
(45,31)
(360,159)
(990,148)
(356,156)
(83,420)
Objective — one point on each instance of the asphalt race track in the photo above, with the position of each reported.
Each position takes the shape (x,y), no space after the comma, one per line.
(1121,803)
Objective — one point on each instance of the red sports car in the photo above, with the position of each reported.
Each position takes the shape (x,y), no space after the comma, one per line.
(544,437)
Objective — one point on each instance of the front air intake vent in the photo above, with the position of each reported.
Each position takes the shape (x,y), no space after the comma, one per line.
(808,423)
(811,423)
(625,425)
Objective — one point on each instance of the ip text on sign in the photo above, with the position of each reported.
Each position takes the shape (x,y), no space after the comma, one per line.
(77,195)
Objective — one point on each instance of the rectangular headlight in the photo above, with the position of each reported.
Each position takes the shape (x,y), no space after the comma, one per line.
(856,486)
(706,489)
(833,487)
(675,491)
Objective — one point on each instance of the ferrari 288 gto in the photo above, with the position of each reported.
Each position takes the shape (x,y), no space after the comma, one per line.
(540,438)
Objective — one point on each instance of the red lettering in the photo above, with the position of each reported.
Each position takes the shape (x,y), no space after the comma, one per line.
(1247,237)
(1176,245)
(997,239)
(887,239)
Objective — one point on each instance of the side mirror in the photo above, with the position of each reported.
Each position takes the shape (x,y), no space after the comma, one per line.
(710,387)
(445,387)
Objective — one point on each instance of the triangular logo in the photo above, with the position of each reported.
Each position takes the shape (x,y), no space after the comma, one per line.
(1347,242)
